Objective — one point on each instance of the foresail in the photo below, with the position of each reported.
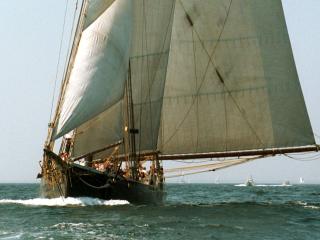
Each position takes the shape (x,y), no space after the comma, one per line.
(231,82)
(100,69)
(150,42)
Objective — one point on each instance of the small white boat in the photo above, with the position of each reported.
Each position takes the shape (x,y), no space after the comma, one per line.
(249,182)
(301,180)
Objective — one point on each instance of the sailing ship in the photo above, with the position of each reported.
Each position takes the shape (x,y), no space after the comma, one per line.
(154,80)
(301,180)
(249,182)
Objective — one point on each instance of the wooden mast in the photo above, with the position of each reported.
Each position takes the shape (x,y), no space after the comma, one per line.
(262,152)
(131,131)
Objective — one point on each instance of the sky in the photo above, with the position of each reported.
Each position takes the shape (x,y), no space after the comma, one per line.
(30,36)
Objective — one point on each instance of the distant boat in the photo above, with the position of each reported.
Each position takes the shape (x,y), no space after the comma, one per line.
(182,179)
(286,183)
(250,182)
(301,180)
(217,180)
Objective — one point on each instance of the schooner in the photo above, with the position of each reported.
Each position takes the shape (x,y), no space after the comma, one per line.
(154,80)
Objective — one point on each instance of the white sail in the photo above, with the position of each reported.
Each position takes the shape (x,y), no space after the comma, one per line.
(95,9)
(151,35)
(100,68)
(103,130)
(232,82)
(224,81)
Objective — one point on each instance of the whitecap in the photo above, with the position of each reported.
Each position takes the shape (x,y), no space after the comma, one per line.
(301,203)
(14,236)
(263,185)
(312,207)
(240,185)
(71,225)
(81,201)
(306,205)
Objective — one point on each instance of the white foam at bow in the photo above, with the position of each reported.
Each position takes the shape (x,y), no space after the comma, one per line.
(81,201)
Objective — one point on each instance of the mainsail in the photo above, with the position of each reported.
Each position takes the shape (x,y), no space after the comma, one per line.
(207,76)
(232,82)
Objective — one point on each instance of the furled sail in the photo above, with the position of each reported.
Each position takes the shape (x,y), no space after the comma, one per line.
(100,69)
(231,82)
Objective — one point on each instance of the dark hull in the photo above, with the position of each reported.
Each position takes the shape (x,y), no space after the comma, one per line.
(78,181)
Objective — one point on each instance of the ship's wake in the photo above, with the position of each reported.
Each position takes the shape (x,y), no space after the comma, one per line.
(52,202)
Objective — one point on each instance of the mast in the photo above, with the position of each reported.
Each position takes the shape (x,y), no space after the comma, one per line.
(132,131)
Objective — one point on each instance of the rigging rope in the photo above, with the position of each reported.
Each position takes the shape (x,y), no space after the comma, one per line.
(212,166)
(305,159)
(194,161)
(59,58)
(70,39)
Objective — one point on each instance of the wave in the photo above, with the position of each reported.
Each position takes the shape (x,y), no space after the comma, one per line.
(9,236)
(52,202)
(263,185)
(307,205)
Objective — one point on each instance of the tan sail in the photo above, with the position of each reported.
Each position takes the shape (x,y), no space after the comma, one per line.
(224,81)
(231,82)
(151,35)
(100,69)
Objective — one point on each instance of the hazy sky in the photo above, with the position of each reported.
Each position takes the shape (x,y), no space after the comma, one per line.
(30,34)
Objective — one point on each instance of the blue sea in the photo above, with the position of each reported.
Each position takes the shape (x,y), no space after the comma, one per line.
(192,211)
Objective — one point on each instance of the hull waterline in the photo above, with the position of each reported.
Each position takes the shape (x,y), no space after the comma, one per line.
(79,181)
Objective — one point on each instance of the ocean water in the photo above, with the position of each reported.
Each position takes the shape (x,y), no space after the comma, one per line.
(192,211)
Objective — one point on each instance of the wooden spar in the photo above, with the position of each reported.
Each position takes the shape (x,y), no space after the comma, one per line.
(99,150)
(262,152)
(132,130)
